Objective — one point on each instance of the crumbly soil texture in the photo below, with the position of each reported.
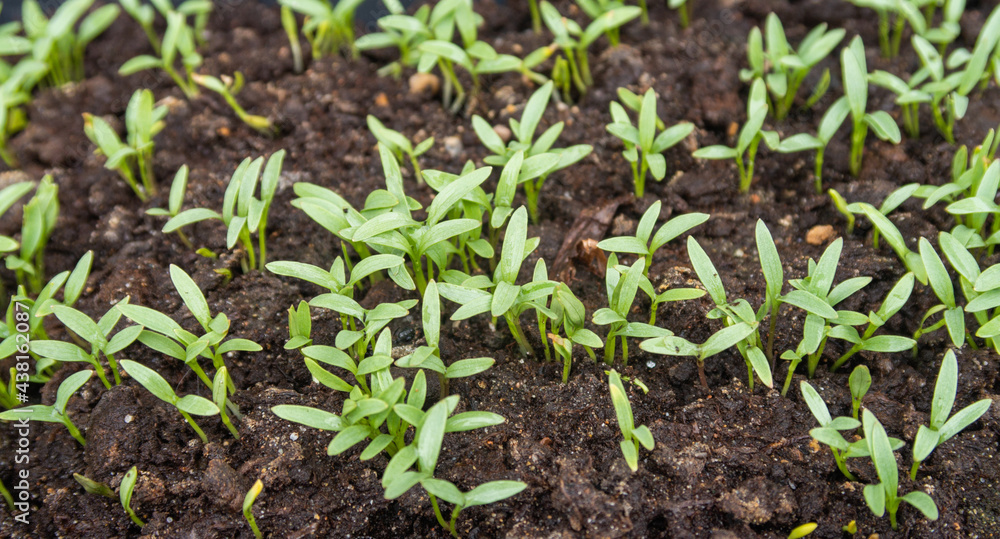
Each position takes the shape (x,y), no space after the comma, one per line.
(728,462)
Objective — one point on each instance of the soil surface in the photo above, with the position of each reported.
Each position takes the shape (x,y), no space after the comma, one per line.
(728,462)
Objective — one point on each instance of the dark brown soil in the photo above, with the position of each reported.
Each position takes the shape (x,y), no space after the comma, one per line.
(727,463)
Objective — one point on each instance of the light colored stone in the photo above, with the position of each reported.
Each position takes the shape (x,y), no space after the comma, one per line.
(820,234)
(453,145)
(424,83)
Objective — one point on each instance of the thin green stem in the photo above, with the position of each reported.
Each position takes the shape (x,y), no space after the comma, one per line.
(515,329)
(73,431)
(190,420)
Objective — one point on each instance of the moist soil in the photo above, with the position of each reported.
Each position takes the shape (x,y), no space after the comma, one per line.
(728,462)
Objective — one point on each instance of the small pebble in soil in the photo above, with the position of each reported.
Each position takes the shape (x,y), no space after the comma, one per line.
(453,145)
(739,253)
(651,364)
(128,419)
(424,83)
(294,436)
(820,234)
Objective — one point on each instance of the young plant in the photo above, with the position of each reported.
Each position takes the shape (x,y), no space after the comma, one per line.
(948,103)
(248,502)
(828,432)
(749,138)
(909,96)
(642,245)
(242,212)
(739,311)
(228,87)
(828,126)
(8,196)
(854,73)
(782,68)
(953,316)
(329,27)
(894,301)
(125,494)
(39,220)
(96,335)
(423,452)
(683,9)
(634,436)
(429,356)
(178,43)
(177,191)
(142,123)
(57,412)
(501,296)
(576,41)
(15,93)
(621,284)
(859,382)
(299,326)
(883,226)
(164,335)
(399,145)
(567,315)
(894,15)
(643,146)
(537,165)
(719,342)
(58,41)
(220,389)
(186,405)
(291,28)
(885,494)
(941,427)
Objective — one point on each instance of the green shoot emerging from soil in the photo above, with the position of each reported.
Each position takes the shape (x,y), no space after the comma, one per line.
(39,221)
(942,427)
(125,493)
(854,70)
(643,146)
(248,502)
(177,191)
(399,145)
(142,122)
(634,436)
(329,26)
(58,41)
(57,412)
(885,494)
(186,405)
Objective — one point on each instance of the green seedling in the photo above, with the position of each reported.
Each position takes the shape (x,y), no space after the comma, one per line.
(178,43)
(828,126)
(329,26)
(719,342)
(568,316)
(15,93)
(429,356)
(576,41)
(57,412)
(58,41)
(164,335)
(407,32)
(683,9)
(177,191)
(242,212)
(475,205)
(803,530)
(186,405)
(248,502)
(39,220)
(947,102)
(228,87)
(909,96)
(642,245)
(854,73)
(7,497)
(841,205)
(942,427)
(976,286)
(219,396)
(595,9)
(894,15)
(501,296)
(142,122)
(125,493)
(894,301)
(643,146)
(423,452)
(953,316)
(540,159)
(299,326)
(750,136)
(94,487)
(984,61)
(362,325)
(739,311)
(910,259)
(399,145)
(634,436)
(8,197)
(621,284)
(885,494)
(782,68)
(828,433)
(95,337)
(859,382)
(291,28)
